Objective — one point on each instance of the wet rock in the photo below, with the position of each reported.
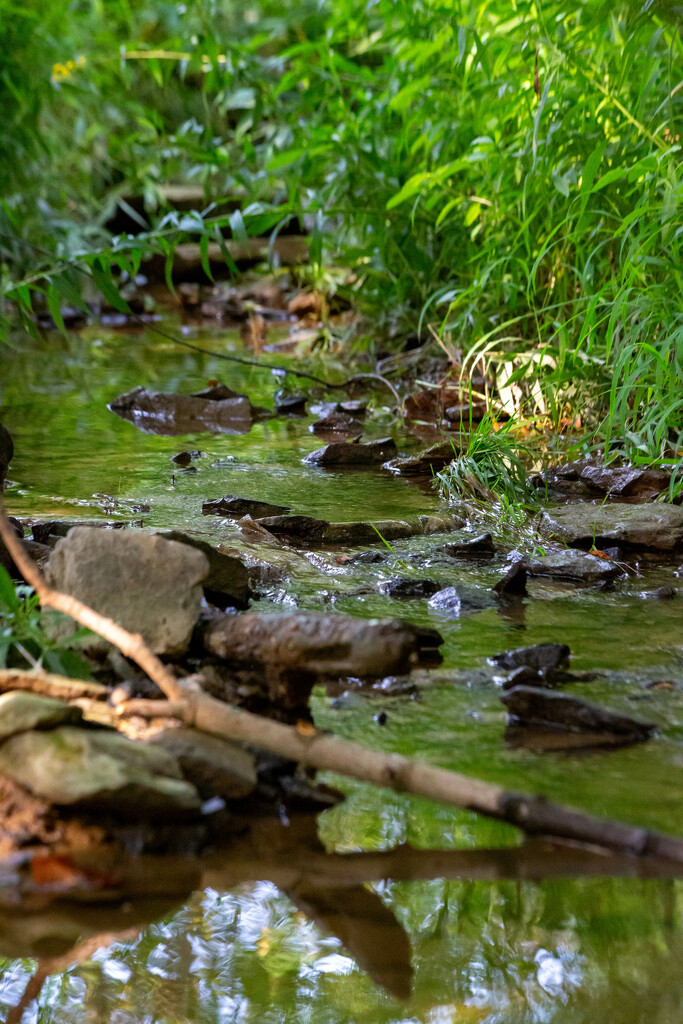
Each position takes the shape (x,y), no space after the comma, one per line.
(144,582)
(513,583)
(478,547)
(404,588)
(324,645)
(589,477)
(366,558)
(49,532)
(462,600)
(654,526)
(98,769)
(427,463)
(40,553)
(661,594)
(573,565)
(214,766)
(546,739)
(227,584)
(465,412)
(535,706)
(232,507)
(310,530)
(6,452)
(21,711)
(289,404)
(352,407)
(336,423)
(185,459)
(539,658)
(216,410)
(353,453)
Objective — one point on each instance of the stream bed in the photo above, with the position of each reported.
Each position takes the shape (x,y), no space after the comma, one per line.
(484,941)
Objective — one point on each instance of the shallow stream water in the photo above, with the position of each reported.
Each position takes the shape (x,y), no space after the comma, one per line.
(505,951)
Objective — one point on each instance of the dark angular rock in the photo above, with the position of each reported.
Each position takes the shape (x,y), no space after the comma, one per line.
(513,584)
(227,584)
(336,423)
(288,404)
(352,453)
(184,459)
(404,588)
(478,547)
(232,507)
(540,657)
(427,463)
(50,532)
(216,410)
(529,704)
(462,600)
(6,452)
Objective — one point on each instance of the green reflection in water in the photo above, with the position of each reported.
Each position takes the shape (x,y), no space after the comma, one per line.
(558,951)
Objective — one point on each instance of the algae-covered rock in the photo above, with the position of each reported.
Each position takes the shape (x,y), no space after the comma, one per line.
(21,711)
(98,769)
(655,526)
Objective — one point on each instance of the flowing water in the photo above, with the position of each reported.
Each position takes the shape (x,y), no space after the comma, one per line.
(484,945)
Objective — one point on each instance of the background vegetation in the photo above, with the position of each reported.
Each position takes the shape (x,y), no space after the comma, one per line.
(508,172)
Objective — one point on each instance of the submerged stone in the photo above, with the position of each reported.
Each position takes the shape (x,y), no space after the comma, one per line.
(232,507)
(653,526)
(214,410)
(540,657)
(404,588)
(548,707)
(353,453)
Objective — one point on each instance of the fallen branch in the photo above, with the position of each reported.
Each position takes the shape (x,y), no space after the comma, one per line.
(48,685)
(534,815)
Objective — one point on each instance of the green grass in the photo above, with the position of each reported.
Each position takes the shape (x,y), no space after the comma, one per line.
(507,173)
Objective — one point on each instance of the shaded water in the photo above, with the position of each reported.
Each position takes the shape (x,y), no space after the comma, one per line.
(576,950)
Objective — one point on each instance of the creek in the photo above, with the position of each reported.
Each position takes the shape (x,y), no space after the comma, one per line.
(505,950)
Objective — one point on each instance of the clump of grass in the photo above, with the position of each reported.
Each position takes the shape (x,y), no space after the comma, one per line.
(490,468)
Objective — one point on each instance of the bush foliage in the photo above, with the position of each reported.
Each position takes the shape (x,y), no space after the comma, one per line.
(508,172)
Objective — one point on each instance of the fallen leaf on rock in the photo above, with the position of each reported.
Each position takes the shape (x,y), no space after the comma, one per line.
(52,870)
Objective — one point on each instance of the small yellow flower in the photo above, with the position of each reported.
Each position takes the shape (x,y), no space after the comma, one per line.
(62,71)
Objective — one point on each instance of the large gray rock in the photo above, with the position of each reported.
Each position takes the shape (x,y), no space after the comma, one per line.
(215,766)
(97,769)
(142,581)
(21,711)
(655,526)
(573,565)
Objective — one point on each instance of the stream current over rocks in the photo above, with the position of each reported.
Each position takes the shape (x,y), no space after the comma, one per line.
(274,930)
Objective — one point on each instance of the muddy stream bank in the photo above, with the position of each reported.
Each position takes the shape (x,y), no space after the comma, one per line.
(275,933)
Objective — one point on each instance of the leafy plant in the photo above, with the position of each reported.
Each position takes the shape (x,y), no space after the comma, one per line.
(489,469)
(23,643)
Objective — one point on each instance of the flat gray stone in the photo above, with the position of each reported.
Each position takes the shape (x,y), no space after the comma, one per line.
(653,526)
(215,766)
(97,769)
(144,582)
(574,565)
(21,711)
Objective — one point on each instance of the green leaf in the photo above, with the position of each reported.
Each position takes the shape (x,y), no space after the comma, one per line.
(204,255)
(103,279)
(53,305)
(9,601)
